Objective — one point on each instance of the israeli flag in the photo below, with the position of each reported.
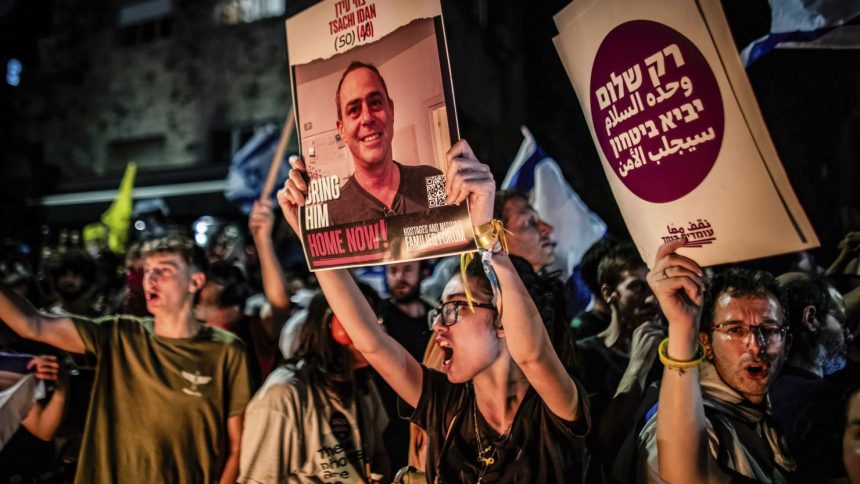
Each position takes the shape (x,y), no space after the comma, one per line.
(250,166)
(576,227)
(796,21)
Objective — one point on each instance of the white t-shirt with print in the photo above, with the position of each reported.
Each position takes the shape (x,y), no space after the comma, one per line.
(294,433)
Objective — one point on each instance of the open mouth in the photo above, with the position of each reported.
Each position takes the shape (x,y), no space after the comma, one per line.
(757,371)
(373,137)
(151,296)
(447,352)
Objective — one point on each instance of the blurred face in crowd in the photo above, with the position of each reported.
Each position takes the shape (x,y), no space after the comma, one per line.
(851,438)
(529,236)
(169,282)
(366,120)
(470,341)
(748,343)
(70,285)
(208,310)
(834,334)
(404,280)
(632,298)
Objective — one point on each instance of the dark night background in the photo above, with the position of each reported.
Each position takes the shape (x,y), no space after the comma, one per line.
(180,90)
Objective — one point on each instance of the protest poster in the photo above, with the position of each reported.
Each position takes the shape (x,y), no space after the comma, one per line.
(678,129)
(374,135)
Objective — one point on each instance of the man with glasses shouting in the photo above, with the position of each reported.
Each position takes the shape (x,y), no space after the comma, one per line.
(726,346)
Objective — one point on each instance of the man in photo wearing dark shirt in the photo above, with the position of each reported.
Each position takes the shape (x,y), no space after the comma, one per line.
(380,186)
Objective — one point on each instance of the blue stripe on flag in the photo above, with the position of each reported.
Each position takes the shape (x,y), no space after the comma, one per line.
(524,178)
(761,47)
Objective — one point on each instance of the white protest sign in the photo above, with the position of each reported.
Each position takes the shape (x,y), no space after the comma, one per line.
(677,127)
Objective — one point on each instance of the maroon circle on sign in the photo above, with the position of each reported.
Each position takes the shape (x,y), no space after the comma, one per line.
(657,110)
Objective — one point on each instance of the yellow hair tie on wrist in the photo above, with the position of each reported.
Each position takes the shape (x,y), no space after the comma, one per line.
(678,365)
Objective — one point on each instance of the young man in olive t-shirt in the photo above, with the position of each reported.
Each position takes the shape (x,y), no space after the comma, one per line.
(169,394)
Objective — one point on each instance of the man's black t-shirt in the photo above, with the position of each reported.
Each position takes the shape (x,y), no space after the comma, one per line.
(540,446)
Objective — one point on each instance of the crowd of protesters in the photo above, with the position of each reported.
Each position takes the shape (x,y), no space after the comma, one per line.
(184,363)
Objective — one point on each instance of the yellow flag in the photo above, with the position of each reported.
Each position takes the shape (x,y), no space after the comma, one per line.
(117,217)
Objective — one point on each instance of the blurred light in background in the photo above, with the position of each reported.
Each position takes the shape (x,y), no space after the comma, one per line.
(13,72)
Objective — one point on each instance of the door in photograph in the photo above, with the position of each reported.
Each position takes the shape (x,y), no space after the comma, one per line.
(441,134)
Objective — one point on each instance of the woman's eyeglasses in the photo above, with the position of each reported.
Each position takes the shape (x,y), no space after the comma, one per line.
(449,312)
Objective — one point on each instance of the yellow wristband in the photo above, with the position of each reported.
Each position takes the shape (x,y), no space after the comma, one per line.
(678,365)
(491,236)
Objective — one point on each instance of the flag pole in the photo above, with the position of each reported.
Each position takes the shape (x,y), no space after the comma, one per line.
(275,166)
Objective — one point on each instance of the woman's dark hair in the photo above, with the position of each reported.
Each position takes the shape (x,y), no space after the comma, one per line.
(547,293)
(328,362)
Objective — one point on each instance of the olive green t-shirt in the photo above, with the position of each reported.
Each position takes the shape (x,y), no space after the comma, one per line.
(159,405)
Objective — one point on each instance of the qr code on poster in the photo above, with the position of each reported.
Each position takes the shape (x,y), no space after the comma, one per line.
(435,191)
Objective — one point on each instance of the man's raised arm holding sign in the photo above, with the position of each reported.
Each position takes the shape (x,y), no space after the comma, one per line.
(726,346)
(681,434)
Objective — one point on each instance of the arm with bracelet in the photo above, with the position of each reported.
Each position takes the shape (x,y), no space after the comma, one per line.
(525,334)
(682,440)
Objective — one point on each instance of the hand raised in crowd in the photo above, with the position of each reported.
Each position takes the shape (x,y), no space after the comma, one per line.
(850,243)
(261,221)
(643,345)
(48,368)
(467,177)
(678,285)
(846,260)
(292,195)
(643,352)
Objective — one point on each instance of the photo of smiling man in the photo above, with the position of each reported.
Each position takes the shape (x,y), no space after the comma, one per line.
(376,121)
(380,186)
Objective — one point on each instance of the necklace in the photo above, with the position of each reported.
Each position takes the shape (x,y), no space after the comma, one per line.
(486,455)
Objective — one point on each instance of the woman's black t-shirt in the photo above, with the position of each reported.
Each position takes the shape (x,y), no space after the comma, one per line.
(540,446)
